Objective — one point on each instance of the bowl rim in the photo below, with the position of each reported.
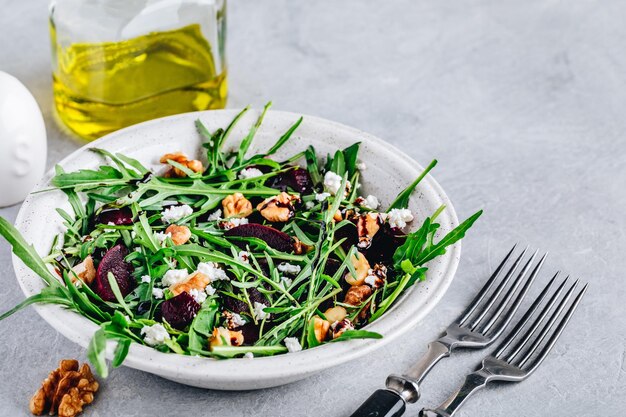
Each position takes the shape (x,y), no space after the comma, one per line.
(264,370)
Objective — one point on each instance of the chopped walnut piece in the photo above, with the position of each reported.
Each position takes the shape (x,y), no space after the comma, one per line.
(278,209)
(357,294)
(236,205)
(179,234)
(84,271)
(367,226)
(179,157)
(65,391)
(196,281)
(224,337)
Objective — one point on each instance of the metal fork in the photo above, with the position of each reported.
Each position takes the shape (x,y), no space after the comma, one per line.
(478,326)
(519,355)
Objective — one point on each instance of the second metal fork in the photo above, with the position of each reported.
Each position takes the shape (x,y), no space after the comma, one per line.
(482,322)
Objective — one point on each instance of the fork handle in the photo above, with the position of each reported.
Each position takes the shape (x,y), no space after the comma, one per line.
(407,385)
(382,403)
(473,382)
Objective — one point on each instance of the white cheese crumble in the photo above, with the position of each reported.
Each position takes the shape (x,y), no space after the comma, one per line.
(323,196)
(210,290)
(400,217)
(289,269)
(309,205)
(360,165)
(292,344)
(244,257)
(212,271)
(175,213)
(215,216)
(157,293)
(155,334)
(286,282)
(258,311)
(160,236)
(250,173)
(237,320)
(174,276)
(146,278)
(249,355)
(332,182)
(198,295)
(370,280)
(371,202)
(236,221)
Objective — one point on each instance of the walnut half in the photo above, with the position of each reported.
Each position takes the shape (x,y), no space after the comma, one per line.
(65,391)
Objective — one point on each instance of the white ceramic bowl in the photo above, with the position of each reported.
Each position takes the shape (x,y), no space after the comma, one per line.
(388,171)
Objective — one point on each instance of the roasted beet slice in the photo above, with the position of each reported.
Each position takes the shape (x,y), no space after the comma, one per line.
(273,237)
(113,262)
(250,333)
(117,216)
(179,311)
(384,244)
(237,306)
(297,179)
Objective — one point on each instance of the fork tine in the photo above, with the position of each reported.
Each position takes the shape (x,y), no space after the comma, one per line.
(512,309)
(481,294)
(520,325)
(492,299)
(546,328)
(557,332)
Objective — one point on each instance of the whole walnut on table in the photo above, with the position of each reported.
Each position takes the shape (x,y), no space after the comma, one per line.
(65,391)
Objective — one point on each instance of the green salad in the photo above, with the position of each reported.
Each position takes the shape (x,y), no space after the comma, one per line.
(232,255)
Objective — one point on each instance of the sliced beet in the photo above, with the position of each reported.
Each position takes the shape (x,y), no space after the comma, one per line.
(384,244)
(179,311)
(250,333)
(297,179)
(273,237)
(113,262)
(238,306)
(118,216)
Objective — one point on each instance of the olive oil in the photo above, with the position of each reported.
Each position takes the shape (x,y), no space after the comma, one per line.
(102,87)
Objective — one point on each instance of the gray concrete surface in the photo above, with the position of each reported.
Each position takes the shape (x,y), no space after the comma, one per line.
(523,104)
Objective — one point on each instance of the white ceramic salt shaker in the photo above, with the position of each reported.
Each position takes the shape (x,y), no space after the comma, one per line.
(22,141)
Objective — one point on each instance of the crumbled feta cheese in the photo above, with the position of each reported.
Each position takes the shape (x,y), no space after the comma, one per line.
(173,276)
(292,344)
(198,295)
(175,213)
(258,311)
(323,196)
(360,165)
(309,205)
(157,293)
(250,173)
(237,320)
(212,271)
(146,278)
(155,334)
(370,202)
(210,290)
(160,236)
(286,282)
(249,355)
(110,230)
(215,216)
(289,269)
(236,221)
(244,257)
(370,280)
(332,182)
(400,217)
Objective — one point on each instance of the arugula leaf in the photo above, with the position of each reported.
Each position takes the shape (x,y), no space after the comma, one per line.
(121,351)
(357,334)
(402,200)
(350,156)
(247,141)
(96,353)
(284,138)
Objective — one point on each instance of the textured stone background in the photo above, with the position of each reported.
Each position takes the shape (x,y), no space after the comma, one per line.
(523,104)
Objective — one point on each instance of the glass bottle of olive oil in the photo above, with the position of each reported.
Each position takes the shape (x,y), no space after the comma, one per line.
(158,61)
